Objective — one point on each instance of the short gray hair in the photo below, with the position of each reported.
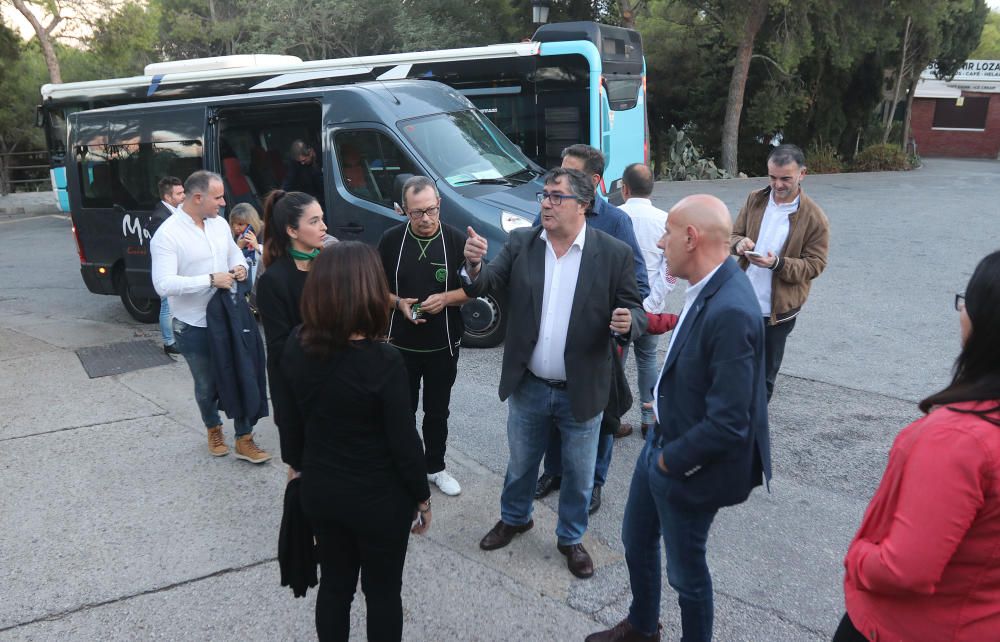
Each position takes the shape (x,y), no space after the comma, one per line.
(198,183)
(417,184)
(579,184)
(787,154)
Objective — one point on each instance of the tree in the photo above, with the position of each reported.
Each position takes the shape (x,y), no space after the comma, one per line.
(127,40)
(989,41)
(44,33)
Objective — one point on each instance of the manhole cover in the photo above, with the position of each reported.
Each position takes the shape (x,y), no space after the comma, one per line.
(118,358)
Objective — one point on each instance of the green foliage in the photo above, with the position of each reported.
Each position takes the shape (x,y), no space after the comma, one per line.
(684,161)
(127,40)
(881,158)
(989,41)
(823,158)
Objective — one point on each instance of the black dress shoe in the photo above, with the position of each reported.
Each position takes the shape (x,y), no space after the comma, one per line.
(501,534)
(624,430)
(623,632)
(577,560)
(595,500)
(546,484)
(171,349)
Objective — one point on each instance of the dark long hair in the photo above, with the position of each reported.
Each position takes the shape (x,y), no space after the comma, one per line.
(976,375)
(345,292)
(281,211)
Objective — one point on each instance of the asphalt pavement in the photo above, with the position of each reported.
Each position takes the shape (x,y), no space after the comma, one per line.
(115,524)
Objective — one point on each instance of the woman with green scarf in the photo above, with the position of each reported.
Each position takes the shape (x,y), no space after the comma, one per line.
(294,234)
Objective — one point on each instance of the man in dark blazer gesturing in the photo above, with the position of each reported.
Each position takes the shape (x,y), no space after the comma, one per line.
(572,293)
(710,446)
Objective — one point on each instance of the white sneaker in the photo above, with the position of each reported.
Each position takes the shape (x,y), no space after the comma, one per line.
(445,482)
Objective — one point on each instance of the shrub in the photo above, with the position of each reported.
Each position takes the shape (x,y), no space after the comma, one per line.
(881,158)
(684,161)
(823,159)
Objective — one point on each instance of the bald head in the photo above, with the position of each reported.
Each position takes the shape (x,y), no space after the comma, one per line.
(697,237)
(708,215)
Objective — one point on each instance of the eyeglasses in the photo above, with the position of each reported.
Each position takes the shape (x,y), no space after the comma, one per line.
(960,301)
(554,197)
(430,212)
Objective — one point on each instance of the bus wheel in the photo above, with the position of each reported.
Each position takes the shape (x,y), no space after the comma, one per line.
(485,322)
(142,309)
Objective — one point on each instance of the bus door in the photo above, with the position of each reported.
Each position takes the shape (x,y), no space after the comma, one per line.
(252,145)
(562,85)
(366,158)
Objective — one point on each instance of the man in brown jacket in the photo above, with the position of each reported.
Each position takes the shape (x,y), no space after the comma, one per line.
(781,237)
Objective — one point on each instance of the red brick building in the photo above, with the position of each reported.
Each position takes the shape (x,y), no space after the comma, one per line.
(959,117)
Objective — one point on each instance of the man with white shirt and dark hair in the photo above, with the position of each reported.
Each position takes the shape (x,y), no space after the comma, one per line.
(782,237)
(648,222)
(578,294)
(194,255)
(171,191)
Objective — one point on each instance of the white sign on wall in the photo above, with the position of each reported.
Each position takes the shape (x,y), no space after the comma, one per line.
(972,70)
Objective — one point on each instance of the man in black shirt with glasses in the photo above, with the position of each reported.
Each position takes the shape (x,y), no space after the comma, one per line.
(421,259)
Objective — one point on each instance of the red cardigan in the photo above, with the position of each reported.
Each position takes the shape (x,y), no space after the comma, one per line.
(925,564)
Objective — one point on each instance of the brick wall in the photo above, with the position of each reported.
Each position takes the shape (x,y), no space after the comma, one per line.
(931,142)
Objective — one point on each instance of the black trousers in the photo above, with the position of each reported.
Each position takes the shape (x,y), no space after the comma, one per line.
(437,370)
(846,632)
(367,536)
(774,350)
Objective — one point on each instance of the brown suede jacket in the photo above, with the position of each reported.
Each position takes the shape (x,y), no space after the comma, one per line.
(801,260)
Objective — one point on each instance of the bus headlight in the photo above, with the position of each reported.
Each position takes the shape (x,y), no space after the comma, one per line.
(510,221)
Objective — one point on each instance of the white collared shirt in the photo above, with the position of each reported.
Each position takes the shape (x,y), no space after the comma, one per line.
(548,359)
(170,208)
(184,256)
(690,295)
(648,222)
(771,238)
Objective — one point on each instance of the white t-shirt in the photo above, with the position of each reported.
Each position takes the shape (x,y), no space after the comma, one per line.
(771,238)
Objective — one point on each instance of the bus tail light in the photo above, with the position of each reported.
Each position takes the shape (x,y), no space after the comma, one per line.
(79,246)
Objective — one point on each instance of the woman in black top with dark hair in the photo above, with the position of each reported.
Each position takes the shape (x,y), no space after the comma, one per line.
(294,233)
(351,433)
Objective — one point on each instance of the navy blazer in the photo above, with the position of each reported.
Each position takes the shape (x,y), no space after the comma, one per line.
(712,402)
(238,362)
(605,282)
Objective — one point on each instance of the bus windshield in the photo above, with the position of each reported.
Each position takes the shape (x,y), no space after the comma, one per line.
(465,147)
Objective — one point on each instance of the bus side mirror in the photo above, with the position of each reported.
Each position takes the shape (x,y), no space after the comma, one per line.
(39,116)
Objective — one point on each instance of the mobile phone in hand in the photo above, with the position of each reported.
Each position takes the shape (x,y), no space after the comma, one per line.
(752,253)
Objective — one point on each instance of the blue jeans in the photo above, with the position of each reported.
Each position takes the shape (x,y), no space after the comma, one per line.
(166,329)
(645,363)
(648,516)
(532,410)
(192,341)
(605,448)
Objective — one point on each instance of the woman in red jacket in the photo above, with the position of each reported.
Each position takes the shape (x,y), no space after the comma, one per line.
(925,564)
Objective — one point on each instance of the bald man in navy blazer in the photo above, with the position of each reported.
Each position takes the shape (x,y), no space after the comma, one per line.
(710,446)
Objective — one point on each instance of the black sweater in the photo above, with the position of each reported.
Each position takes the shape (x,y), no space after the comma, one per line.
(279,291)
(351,428)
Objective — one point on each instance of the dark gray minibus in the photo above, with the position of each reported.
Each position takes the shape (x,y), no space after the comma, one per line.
(368,137)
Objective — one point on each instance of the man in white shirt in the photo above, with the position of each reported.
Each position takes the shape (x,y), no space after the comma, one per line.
(782,237)
(193,256)
(171,191)
(577,289)
(648,222)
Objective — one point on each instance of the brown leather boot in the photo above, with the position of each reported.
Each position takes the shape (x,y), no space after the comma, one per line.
(216,442)
(623,632)
(247,450)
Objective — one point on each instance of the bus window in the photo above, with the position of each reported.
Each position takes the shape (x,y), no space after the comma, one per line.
(623,91)
(369,163)
(127,174)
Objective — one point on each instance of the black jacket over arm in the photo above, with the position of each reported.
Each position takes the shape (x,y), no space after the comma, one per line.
(606,281)
(237,357)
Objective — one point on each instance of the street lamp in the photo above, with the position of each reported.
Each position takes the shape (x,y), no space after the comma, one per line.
(540,11)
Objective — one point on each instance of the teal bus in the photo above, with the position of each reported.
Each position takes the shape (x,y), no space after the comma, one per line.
(574,82)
